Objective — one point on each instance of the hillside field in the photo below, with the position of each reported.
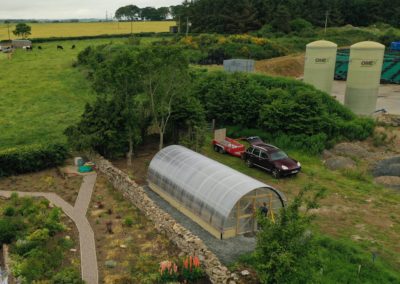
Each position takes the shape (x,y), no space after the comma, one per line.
(41,93)
(45,30)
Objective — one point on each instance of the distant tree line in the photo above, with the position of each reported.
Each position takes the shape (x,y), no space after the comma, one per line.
(238,16)
(134,13)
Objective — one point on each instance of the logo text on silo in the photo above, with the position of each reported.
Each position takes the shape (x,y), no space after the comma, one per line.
(321,60)
(368,63)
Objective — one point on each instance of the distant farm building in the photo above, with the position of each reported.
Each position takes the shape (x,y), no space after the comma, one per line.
(218,198)
(239,65)
(20,43)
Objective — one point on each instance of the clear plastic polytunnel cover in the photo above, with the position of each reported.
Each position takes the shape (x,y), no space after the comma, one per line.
(207,188)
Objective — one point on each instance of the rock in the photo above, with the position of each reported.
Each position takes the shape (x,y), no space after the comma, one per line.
(73,250)
(351,150)
(339,163)
(110,263)
(67,237)
(389,181)
(388,167)
(327,154)
(245,273)
(123,246)
(232,282)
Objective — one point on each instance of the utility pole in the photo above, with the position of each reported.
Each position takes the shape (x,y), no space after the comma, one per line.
(8,28)
(326,20)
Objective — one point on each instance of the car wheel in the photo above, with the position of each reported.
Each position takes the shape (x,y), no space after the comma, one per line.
(221,150)
(216,148)
(249,163)
(275,173)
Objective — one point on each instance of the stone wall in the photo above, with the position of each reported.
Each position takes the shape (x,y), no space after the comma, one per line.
(183,238)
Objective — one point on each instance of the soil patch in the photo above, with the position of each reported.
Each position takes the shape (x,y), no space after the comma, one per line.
(287,66)
(45,181)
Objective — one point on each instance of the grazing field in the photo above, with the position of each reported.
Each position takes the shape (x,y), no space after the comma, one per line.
(41,93)
(45,30)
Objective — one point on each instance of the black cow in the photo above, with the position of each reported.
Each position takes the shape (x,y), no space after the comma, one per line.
(29,48)
(60,47)
(39,47)
(73,46)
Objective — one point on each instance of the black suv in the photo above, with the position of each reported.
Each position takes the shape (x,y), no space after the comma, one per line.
(271,159)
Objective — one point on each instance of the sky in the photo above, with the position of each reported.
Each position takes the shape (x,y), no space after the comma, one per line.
(70,9)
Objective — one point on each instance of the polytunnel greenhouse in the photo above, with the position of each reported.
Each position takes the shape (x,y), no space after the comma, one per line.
(218,198)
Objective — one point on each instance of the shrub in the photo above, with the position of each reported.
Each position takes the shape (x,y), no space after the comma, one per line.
(8,231)
(293,114)
(9,211)
(299,25)
(31,158)
(67,276)
(128,222)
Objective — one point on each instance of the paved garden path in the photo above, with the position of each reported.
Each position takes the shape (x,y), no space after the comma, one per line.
(77,213)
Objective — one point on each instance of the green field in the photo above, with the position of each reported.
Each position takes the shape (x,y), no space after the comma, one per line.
(41,93)
(45,30)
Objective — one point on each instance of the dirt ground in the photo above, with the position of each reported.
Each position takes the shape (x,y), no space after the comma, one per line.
(286,66)
(45,181)
(134,249)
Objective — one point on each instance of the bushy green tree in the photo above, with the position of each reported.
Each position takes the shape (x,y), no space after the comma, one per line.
(164,75)
(286,250)
(23,30)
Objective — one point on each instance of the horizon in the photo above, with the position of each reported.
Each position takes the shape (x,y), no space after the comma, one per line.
(66,9)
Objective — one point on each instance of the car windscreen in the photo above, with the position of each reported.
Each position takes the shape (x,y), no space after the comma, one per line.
(279,155)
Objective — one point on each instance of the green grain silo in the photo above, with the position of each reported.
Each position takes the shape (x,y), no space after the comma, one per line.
(320,61)
(365,68)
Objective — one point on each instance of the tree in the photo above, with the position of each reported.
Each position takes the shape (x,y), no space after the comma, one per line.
(150,13)
(282,19)
(163,12)
(117,78)
(22,30)
(164,73)
(127,13)
(286,250)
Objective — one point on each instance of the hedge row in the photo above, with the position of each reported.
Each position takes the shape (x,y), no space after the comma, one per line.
(32,158)
(142,34)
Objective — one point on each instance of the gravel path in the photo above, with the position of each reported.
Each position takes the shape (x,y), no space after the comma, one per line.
(78,215)
(226,250)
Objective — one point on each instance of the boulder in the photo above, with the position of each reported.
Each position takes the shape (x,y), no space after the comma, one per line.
(339,163)
(351,150)
(387,167)
(389,181)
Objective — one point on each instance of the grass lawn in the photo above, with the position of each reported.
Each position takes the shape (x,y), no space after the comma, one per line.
(44,30)
(41,93)
(355,210)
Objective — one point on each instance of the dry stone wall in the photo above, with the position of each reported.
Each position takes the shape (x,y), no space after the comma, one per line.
(183,238)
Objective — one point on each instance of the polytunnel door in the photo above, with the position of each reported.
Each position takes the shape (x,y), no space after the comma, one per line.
(246,215)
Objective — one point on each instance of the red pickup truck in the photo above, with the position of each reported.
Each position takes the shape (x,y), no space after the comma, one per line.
(223,144)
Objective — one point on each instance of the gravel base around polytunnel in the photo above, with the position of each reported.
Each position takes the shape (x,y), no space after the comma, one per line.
(387,167)
(227,250)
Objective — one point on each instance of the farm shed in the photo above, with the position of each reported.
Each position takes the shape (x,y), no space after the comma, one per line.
(218,198)
(20,43)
